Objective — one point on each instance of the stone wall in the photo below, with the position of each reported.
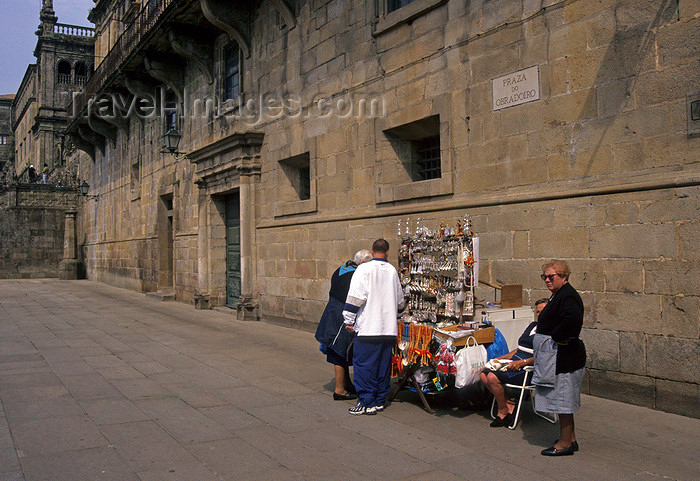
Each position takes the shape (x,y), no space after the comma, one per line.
(601,171)
(31,240)
(6,141)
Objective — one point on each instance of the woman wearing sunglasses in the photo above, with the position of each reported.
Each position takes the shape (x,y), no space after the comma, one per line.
(560,356)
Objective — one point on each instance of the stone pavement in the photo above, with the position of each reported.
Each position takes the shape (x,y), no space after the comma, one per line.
(101,383)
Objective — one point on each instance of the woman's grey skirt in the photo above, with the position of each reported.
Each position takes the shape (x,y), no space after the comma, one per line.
(564,397)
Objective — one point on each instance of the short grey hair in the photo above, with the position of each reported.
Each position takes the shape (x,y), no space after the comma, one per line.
(362,256)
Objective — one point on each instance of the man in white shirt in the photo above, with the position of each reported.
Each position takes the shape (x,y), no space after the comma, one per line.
(374,300)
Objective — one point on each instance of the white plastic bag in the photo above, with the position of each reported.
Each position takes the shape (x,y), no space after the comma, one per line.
(470,362)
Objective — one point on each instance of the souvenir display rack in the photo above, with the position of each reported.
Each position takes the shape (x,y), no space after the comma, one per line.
(439,270)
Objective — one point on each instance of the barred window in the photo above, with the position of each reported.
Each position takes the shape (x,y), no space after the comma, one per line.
(428,158)
(417,148)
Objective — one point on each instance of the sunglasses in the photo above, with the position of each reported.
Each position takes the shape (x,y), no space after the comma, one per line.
(549,276)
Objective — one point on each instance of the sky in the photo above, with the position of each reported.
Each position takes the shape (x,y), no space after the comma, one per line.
(18,22)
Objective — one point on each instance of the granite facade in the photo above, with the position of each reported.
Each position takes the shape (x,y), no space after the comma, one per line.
(601,170)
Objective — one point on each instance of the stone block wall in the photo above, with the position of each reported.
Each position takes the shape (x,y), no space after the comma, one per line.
(31,239)
(120,229)
(6,140)
(600,171)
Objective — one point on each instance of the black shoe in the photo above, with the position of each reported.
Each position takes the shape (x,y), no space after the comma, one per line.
(558,452)
(351,389)
(343,397)
(500,422)
(573,445)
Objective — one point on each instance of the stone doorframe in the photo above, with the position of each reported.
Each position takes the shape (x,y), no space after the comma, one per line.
(226,166)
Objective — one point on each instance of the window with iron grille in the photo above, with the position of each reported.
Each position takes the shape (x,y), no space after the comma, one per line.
(396,4)
(297,170)
(416,146)
(231,71)
(428,158)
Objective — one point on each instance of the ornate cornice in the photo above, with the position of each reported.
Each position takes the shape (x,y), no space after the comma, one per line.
(233,156)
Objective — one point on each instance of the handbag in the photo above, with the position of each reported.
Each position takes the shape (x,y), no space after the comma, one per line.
(470,362)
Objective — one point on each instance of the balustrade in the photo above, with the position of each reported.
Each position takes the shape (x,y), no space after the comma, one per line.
(74,30)
(127,42)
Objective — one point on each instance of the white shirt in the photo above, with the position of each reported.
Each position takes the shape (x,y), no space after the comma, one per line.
(374,299)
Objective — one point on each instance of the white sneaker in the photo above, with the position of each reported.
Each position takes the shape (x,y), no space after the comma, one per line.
(359,408)
(379,408)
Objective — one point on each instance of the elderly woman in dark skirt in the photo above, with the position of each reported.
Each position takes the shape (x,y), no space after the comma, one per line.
(560,356)
(331,334)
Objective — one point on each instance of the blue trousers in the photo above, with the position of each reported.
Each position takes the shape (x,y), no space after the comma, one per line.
(372,369)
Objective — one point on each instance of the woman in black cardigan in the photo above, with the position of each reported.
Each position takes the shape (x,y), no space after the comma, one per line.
(560,356)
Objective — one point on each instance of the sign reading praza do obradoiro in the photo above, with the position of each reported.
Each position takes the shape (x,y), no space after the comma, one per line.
(516,88)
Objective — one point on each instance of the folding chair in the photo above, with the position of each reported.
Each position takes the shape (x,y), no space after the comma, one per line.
(522,388)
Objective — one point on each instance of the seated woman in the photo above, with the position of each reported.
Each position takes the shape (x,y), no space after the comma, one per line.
(520,357)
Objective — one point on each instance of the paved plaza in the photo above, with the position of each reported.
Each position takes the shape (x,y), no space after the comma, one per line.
(102,383)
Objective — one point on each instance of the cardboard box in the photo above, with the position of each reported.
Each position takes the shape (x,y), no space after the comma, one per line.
(511,296)
(482,336)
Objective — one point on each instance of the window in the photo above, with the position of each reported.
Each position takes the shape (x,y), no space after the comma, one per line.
(396,4)
(296,189)
(428,158)
(81,73)
(135,179)
(170,109)
(417,147)
(413,161)
(394,13)
(231,71)
(3,139)
(304,182)
(63,71)
(298,173)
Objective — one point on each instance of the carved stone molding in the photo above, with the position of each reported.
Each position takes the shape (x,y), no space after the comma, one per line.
(119,120)
(140,87)
(286,12)
(220,14)
(104,129)
(91,137)
(82,144)
(193,50)
(167,72)
(233,156)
